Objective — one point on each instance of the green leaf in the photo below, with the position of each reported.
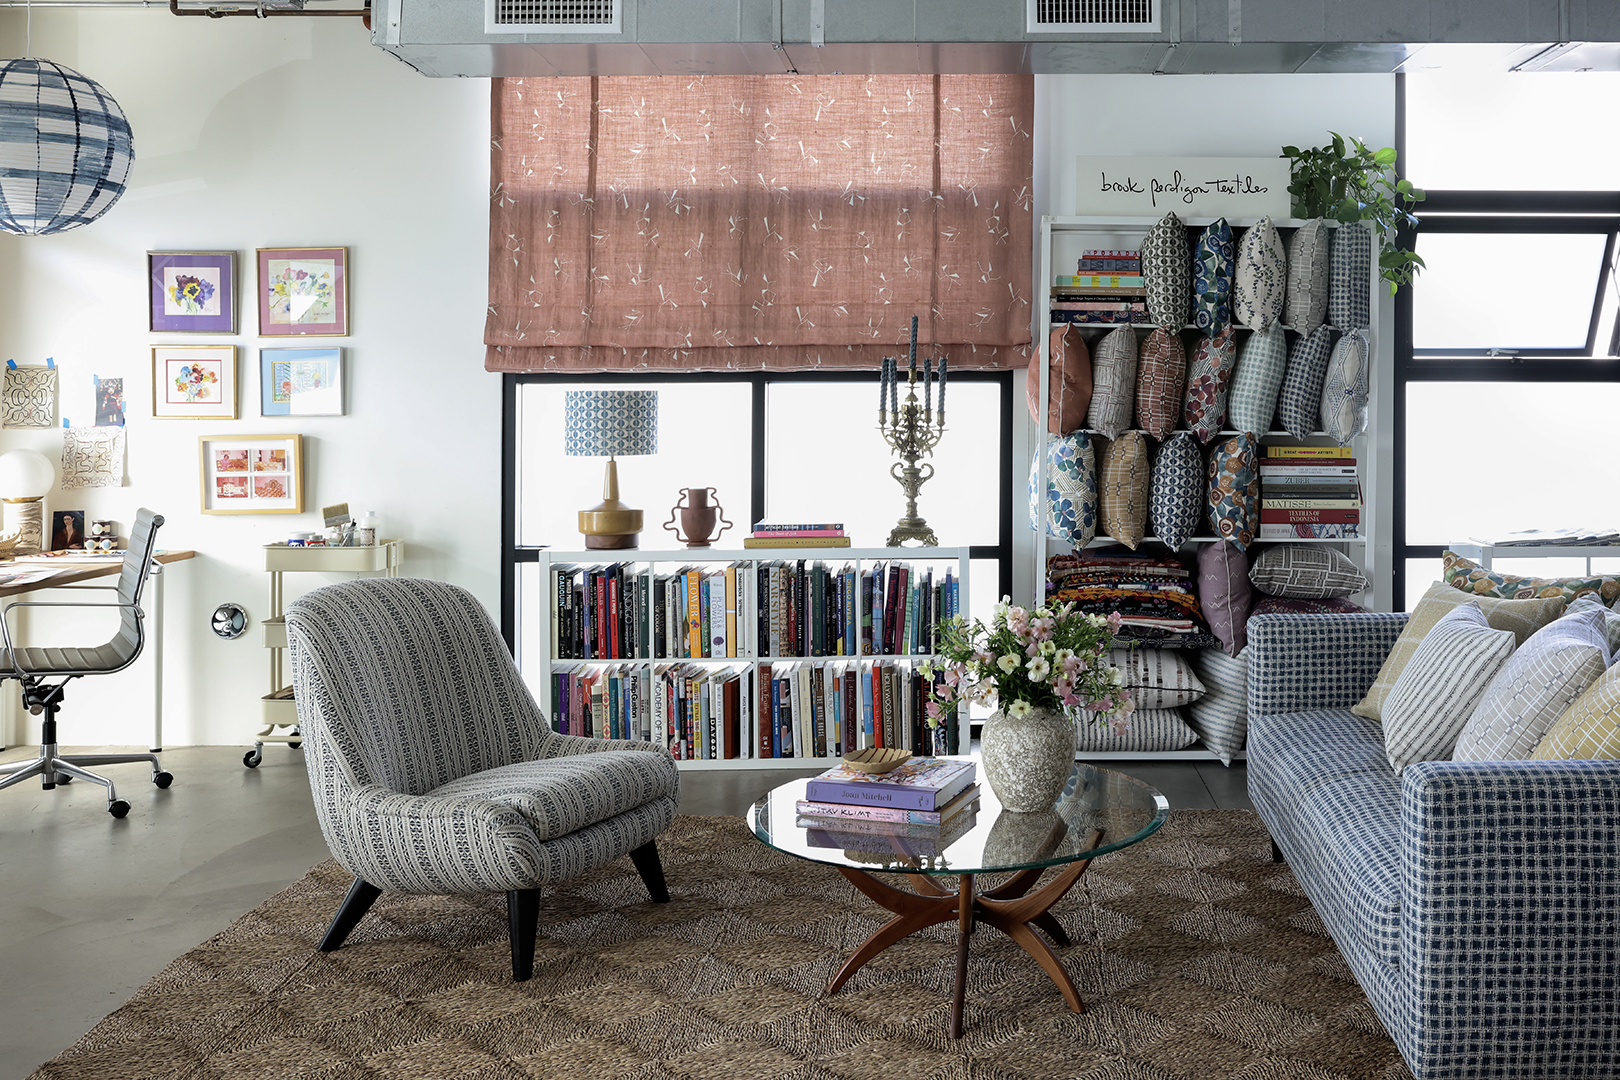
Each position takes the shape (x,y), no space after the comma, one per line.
(1386,156)
(1338,143)
(1403,186)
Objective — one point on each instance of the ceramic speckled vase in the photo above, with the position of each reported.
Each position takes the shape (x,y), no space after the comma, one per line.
(1027,759)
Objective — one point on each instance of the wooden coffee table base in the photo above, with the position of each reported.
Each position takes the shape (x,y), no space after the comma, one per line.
(1006,907)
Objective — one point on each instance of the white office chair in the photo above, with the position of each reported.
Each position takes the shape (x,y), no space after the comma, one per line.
(33,666)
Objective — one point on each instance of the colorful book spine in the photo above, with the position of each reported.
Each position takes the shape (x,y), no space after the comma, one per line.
(1097,305)
(779,533)
(1311,483)
(1308,503)
(1308,531)
(834,527)
(1101,281)
(1309,452)
(774,541)
(1107,318)
(1267,470)
(1268,516)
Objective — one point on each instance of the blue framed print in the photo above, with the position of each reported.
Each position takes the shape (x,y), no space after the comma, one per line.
(300,382)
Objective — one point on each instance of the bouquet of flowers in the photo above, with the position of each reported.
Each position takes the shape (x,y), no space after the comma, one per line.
(1051,658)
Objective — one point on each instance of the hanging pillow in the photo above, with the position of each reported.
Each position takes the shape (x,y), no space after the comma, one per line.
(1212,278)
(1310,269)
(1349,300)
(1161,376)
(1068,382)
(1258,380)
(1209,375)
(1261,277)
(1113,383)
(1123,488)
(1299,405)
(1166,272)
(1177,490)
(1234,490)
(1070,513)
(1345,388)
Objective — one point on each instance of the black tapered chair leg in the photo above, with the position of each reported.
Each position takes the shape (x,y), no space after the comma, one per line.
(1276,852)
(362,894)
(651,870)
(522,918)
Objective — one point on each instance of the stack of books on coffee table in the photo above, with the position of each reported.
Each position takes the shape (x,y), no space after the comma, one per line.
(914,811)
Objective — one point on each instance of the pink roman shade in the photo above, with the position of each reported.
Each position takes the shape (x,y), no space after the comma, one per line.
(778,222)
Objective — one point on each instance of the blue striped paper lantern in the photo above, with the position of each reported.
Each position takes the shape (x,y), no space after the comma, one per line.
(65,148)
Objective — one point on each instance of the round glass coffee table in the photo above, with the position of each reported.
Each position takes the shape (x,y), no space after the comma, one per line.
(1099,811)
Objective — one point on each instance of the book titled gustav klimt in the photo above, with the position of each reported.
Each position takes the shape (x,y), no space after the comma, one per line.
(919,784)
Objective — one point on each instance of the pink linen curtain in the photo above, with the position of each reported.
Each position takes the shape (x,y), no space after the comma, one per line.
(777,222)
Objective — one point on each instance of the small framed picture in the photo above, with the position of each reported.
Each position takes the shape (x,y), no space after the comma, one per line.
(193,292)
(300,382)
(303,292)
(252,474)
(194,382)
(67,530)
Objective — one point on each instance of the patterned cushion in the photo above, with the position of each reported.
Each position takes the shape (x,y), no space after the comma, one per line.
(1590,728)
(1258,380)
(1299,405)
(1225,593)
(1071,491)
(1209,374)
(1212,278)
(1349,299)
(1261,279)
(1437,692)
(1123,489)
(1523,617)
(1161,375)
(1150,730)
(1310,572)
(1310,270)
(1535,687)
(1168,277)
(1234,490)
(1345,388)
(1282,605)
(1221,716)
(1470,577)
(1157,678)
(1177,491)
(1113,383)
(1068,386)
(561,795)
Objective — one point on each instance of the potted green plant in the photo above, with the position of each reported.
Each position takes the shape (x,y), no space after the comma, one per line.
(1348,181)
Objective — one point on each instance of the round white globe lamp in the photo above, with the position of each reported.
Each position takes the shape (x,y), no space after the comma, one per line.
(26,477)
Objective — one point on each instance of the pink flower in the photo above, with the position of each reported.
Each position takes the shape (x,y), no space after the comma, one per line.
(933,710)
(1114,622)
(951,677)
(1072,665)
(1042,628)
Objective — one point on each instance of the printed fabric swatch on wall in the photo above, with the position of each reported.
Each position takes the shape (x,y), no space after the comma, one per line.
(28,398)
(92,457)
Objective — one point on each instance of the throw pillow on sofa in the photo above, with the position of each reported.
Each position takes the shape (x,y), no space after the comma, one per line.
(1523,617)
(1535,687)
(1113,383)
(1305,572)
(1590,728)
(1221,716)
(1471,578)
(1149,731)
(1157,678)
(1225,593)
(1068,381)
(1436,694)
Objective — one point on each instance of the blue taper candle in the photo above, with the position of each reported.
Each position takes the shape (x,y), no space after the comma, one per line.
(883,387)
(894,388)
(928,387)
(942,389)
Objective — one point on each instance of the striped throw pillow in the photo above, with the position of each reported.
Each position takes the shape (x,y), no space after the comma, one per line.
(1437,693)
(1221,716)
(1157,678)
(1113,383)
(1150,730)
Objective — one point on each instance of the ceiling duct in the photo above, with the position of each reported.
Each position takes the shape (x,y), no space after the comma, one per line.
(1092,16)
(552,17)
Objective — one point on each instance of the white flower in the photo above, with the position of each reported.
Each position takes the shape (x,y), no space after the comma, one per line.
(1048,649)
(1008,664)
(1039,669)
(1062,655)
(1116,676)
(1018,709)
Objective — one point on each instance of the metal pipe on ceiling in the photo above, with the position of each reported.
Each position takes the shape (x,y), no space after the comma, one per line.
(261,11)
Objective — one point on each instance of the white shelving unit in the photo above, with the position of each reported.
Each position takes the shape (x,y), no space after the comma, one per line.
(648,563)
(1485,553)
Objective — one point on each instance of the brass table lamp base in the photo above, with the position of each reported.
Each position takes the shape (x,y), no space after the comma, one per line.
(610,525)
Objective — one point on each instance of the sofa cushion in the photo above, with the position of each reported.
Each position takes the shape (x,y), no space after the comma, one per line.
(1293,605)
(1590,728)
(1471,578)
(1437,693)
(564,794)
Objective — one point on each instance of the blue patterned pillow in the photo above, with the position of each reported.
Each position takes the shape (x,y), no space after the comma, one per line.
(1345,389)
(1258,379)
(1212,279)
(1349,300)
(1209,377)
(1177,492)
(1071,490)
(1113,383)
(1164,265)
(1299,406)
(1260,281)
(1234,490)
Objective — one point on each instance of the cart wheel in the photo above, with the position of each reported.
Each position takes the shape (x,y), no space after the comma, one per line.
(118,808)
(163,779)
(295,745)
(251,759)
(296,735)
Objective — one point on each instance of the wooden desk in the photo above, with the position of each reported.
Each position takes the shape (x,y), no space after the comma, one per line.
(69,570)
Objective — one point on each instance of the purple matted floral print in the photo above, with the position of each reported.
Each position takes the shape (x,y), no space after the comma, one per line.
(303,291)
(193,292)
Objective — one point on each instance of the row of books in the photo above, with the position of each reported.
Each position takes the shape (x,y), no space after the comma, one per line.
(911,813)
(1309,492)
(780,608)
(793,710)
(1108,288)
(776,535)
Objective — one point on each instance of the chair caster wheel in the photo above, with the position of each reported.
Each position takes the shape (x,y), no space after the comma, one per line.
(163,779)
(251,759)
(65,779)
(294,745)
(118,808)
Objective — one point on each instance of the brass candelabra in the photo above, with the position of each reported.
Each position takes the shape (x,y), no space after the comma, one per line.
(912,430)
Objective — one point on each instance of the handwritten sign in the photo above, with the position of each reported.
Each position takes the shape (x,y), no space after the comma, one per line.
(1191,187)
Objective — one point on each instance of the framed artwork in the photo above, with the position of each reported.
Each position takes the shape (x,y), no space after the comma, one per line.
(300,382)
(193,292)
(252,474)
(194,382)
(303,291)
(67,530)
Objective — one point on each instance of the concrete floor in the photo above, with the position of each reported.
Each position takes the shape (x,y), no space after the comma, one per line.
(94,907)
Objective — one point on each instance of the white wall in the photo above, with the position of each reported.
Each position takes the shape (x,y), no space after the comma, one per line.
(248,134)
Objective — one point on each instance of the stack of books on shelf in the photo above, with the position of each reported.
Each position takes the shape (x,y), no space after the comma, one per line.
(770,535)
(911,813)
(1108,288)
(1309,492)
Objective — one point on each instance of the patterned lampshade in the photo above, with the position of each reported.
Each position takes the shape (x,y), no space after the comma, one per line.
(602,423)
(65,148)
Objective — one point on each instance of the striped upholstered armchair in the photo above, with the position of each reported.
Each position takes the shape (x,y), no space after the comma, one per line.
(433,770)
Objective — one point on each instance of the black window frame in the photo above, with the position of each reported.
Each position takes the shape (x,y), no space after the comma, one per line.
(513,554)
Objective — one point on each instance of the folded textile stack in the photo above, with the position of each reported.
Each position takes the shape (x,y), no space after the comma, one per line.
(1152,593)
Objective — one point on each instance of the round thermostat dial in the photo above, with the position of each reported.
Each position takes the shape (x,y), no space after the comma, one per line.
(230,621)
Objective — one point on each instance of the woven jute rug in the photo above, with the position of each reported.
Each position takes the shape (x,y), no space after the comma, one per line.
(1197,956)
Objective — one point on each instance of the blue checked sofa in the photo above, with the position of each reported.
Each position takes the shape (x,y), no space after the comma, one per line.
(1478,903)
(433,770)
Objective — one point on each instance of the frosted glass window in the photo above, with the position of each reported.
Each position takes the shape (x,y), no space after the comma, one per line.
(1506,290)
(1484,459)
(1511,131)
(1420,574)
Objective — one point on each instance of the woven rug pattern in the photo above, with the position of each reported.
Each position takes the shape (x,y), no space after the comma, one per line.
(1198,959)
